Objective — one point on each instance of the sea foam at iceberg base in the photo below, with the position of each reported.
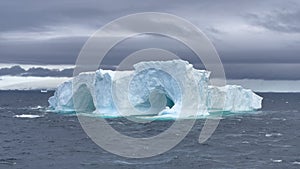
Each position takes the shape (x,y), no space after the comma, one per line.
(155,88)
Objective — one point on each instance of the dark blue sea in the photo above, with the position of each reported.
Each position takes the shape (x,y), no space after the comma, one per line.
(269,138)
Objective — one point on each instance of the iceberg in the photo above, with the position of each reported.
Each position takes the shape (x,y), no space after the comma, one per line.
(152,88)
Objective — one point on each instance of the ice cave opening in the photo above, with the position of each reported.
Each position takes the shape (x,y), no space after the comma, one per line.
(83,99)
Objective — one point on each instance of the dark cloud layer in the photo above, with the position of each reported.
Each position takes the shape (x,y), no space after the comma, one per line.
(244,32)
(39,71)
(279,20)
(265,71)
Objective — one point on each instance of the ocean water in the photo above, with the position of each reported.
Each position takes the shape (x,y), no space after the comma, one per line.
(32,138)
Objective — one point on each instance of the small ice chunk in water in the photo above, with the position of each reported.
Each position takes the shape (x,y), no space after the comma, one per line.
(29,116)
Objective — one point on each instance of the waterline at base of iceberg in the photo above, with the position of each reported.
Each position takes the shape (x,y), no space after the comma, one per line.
(211,115)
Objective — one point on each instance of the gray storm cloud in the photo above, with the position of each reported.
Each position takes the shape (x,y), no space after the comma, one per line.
(249,33)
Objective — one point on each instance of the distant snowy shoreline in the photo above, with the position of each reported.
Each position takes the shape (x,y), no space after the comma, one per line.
(30,83)
(50,83)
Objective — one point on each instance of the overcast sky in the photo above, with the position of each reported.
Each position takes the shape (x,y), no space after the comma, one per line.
(258,36)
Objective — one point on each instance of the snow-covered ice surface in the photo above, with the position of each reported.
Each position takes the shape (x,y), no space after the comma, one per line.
(158,83)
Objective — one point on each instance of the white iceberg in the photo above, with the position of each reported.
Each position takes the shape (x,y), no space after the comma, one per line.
(158,83)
